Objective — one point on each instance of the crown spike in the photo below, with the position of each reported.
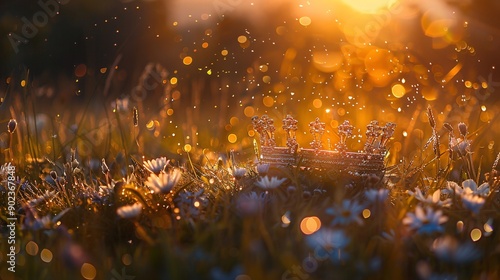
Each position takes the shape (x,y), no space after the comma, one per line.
(265,127)
(345,131)
(290,127)
(317,129)
(387,133)
(372,133)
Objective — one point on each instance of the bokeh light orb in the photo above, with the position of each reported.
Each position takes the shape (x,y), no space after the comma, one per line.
(310,225)
(398,90)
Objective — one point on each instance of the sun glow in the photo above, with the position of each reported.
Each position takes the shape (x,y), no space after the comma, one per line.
(369,6)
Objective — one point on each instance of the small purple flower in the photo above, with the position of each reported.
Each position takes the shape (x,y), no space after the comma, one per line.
(470,185)
(239,172)
(248,204)
(472,202)
(329,243)
(262,168)
(425,221)
(449,249)
(346,213)
(269,184)
(376,196)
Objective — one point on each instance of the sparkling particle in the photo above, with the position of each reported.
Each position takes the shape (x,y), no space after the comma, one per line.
(268,101)
(187,60)
(398,90)
(366,213)
(46,255)
(488,228)
(88,271)
(242,39)
(310,225)
(460,226)
(31,248)
(305,21)
(285,219)
(475,234)
(317,103)
(232,138)
(249,111)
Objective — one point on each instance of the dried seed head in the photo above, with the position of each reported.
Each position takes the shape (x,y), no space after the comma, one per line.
(448,127)
(11,126)
(495,164)
(53,175)
(462,127)
(220,163)
(136,116)
(430,115)
(104,167)
(435,147)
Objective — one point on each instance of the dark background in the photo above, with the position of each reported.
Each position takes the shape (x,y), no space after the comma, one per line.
(71,37)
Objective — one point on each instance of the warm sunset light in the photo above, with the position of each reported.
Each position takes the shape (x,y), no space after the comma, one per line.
(369,6)
(249,139)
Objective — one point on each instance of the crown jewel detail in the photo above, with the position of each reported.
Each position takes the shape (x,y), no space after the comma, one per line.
(370,160)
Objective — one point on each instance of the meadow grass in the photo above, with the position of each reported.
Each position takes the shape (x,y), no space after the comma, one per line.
(433,214)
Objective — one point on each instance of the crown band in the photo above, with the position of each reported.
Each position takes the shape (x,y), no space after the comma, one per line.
(370,160)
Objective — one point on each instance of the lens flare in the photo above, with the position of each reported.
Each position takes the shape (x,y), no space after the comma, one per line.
(369,6)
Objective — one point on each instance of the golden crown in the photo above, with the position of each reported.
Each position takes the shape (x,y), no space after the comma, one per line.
(338,159)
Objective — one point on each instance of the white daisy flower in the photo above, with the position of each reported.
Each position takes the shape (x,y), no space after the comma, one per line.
(268,184)
(164,182)
(129,211)
(156,165)
(434,199)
